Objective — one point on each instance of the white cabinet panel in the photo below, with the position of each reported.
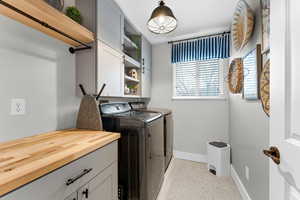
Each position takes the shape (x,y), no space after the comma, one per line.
(72,196)
(110,70)
(146,83)
(105,19)
(103,187)
(109,22)
(146,68)
(146,53)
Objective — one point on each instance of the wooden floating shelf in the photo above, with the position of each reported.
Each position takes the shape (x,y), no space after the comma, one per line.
(40,10)
(130,62)
(128,78)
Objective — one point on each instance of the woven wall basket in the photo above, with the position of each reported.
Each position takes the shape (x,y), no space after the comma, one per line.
(235,76)
(242,25)
(265,88)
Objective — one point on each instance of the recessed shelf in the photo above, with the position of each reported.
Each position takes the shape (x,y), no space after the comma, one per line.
(130,62)
(50,16)
(128,44)
(128,78)
(131,96)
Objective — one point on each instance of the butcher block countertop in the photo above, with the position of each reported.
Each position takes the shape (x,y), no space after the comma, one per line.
(26,159)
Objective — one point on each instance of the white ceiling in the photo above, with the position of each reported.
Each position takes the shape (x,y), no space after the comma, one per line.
(195,17)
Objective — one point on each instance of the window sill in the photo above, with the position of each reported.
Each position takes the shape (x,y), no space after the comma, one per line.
(218,98)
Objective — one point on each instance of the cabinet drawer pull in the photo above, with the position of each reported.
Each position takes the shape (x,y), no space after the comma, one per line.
(72,180)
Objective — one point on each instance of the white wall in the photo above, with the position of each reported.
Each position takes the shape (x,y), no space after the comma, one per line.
(249,129)
(39,69)
(196,121)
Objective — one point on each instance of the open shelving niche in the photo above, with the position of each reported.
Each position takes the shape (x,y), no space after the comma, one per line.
(132,41)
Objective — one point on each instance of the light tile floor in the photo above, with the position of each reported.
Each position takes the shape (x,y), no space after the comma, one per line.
(187,180)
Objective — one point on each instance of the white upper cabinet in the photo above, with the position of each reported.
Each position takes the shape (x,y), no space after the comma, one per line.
(104,63)
(146,68)
(110,71)
(105,19)
(146,83)
(146,53)
(110,23)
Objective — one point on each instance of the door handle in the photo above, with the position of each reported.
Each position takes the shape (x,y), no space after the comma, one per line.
(274,154)
(72,180)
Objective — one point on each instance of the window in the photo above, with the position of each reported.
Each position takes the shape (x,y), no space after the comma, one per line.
(252,66)
(198,79)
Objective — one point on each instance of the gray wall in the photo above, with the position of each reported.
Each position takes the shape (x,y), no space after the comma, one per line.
(196,121)
(249,130)
(39,69)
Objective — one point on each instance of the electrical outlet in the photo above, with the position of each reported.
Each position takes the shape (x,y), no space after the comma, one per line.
(247,172)
(18,107)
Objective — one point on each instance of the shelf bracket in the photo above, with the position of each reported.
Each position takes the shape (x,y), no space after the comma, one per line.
(71,49)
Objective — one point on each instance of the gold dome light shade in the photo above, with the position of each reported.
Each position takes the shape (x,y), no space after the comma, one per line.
(162,20)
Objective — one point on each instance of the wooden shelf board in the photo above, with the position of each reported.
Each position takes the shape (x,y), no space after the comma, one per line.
(44,12)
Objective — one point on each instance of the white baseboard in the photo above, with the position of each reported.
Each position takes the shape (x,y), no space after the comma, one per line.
(190,156)
(239,184)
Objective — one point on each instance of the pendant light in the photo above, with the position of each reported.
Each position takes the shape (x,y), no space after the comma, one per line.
(162,20)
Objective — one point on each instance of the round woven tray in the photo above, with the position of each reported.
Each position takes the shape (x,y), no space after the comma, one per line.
(235,76)
(242,25)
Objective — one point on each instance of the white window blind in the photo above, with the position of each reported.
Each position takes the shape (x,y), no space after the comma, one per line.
(250,76)
(198,79)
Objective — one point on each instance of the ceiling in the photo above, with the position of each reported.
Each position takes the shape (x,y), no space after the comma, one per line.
(195,17)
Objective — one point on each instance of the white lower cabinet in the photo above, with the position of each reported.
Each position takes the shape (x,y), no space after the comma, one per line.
(102,187)
(93,177)
(72,196)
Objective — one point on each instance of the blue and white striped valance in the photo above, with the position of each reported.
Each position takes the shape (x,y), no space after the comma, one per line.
(206,48)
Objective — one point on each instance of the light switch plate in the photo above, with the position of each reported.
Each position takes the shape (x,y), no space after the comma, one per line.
(18,107)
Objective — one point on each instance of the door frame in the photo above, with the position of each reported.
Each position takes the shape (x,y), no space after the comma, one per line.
(280,81)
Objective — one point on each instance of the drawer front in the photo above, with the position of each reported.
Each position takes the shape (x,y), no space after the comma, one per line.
(53,186)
